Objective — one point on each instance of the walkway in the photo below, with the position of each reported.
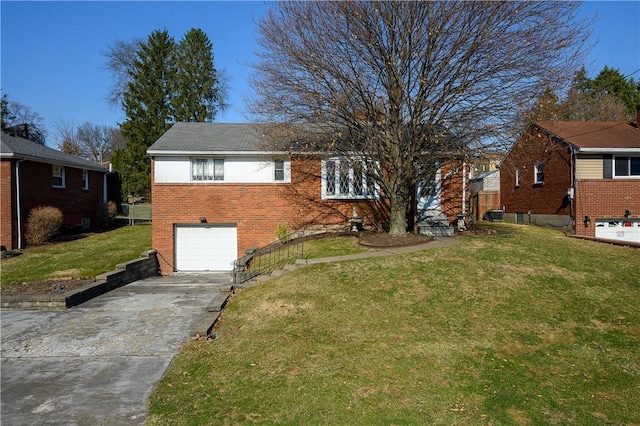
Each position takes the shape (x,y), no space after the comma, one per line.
(97,364)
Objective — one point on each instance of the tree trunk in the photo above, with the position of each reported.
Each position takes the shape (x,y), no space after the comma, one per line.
(398,204)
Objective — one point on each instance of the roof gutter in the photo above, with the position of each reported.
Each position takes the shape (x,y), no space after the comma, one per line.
(162,153)
(610,150)
(88,166)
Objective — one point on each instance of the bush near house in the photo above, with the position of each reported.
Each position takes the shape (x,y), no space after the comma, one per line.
(43,223)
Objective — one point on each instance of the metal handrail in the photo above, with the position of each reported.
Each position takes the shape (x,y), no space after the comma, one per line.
(269,258)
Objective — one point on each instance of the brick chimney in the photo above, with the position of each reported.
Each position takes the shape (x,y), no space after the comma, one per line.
(637,117)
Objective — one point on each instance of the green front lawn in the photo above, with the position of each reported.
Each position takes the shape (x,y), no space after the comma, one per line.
(82,258)
(524,327)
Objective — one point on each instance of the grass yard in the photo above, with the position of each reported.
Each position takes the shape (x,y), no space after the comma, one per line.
(327,247)
(528,327)
(82,258)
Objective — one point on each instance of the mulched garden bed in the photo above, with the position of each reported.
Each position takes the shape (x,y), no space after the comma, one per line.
(384,240)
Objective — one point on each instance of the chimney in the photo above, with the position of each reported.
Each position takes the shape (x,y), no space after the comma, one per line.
(637,117)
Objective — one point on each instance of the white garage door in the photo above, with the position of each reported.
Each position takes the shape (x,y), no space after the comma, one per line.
(206,248)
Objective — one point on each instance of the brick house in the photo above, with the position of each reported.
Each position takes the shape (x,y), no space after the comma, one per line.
(218,190)
(34,175)
(581,176)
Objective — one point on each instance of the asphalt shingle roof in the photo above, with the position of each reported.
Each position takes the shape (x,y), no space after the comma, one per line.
(210,138)
(595,135)
(20,148)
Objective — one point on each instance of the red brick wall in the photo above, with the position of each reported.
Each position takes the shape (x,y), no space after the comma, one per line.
(6,205)
(37,190)
(549,198)
(607,198)
(256,209)
(451,193)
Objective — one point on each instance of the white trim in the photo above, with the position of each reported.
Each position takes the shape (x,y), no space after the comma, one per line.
(85,179)
(535,173)
(627,176)
(609,150)
(62,176)
(350,195)
(213,153)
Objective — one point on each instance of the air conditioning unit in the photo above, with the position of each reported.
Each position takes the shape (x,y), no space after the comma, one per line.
(493,215)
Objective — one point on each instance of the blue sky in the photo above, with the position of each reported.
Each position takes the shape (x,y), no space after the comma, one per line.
(52,53)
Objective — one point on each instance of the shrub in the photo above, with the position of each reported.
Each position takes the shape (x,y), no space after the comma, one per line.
(110,211)
(43,223)
(283,233)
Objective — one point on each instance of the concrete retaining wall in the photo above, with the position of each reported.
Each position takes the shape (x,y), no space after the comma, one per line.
(125,273)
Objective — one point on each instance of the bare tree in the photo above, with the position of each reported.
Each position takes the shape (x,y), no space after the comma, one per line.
(20,120)
(67,139)
(90,141)
(120,62)
(401,85)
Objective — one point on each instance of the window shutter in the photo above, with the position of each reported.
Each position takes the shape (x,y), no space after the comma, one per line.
(607,167)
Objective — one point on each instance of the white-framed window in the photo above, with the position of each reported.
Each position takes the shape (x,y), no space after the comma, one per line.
(626,166)
(206,169)
(346,179)
(539,173)
(85,179)
(278,170)
(517,176)
(57,176)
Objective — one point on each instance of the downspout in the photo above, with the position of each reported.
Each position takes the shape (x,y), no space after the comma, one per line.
(18,207)
(464,187)
(572,183)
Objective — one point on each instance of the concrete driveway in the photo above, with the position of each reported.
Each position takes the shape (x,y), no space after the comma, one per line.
(96,364)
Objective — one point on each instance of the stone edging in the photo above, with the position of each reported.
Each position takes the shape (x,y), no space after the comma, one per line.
(125,273)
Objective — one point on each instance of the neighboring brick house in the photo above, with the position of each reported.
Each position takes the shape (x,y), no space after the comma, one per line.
(34,175)
(218,190)
(581,176)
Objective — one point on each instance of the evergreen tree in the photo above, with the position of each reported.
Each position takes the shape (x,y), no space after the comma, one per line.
(612,82)
(5,112)
(607,97)
(134,170)
(147,99)
(147,106)
(196,87)
(164,82)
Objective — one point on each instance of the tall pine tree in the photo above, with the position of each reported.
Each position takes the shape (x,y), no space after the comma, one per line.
(167,82)
(196,93)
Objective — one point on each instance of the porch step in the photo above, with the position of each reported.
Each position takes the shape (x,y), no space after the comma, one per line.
(434,223)
(432,230)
